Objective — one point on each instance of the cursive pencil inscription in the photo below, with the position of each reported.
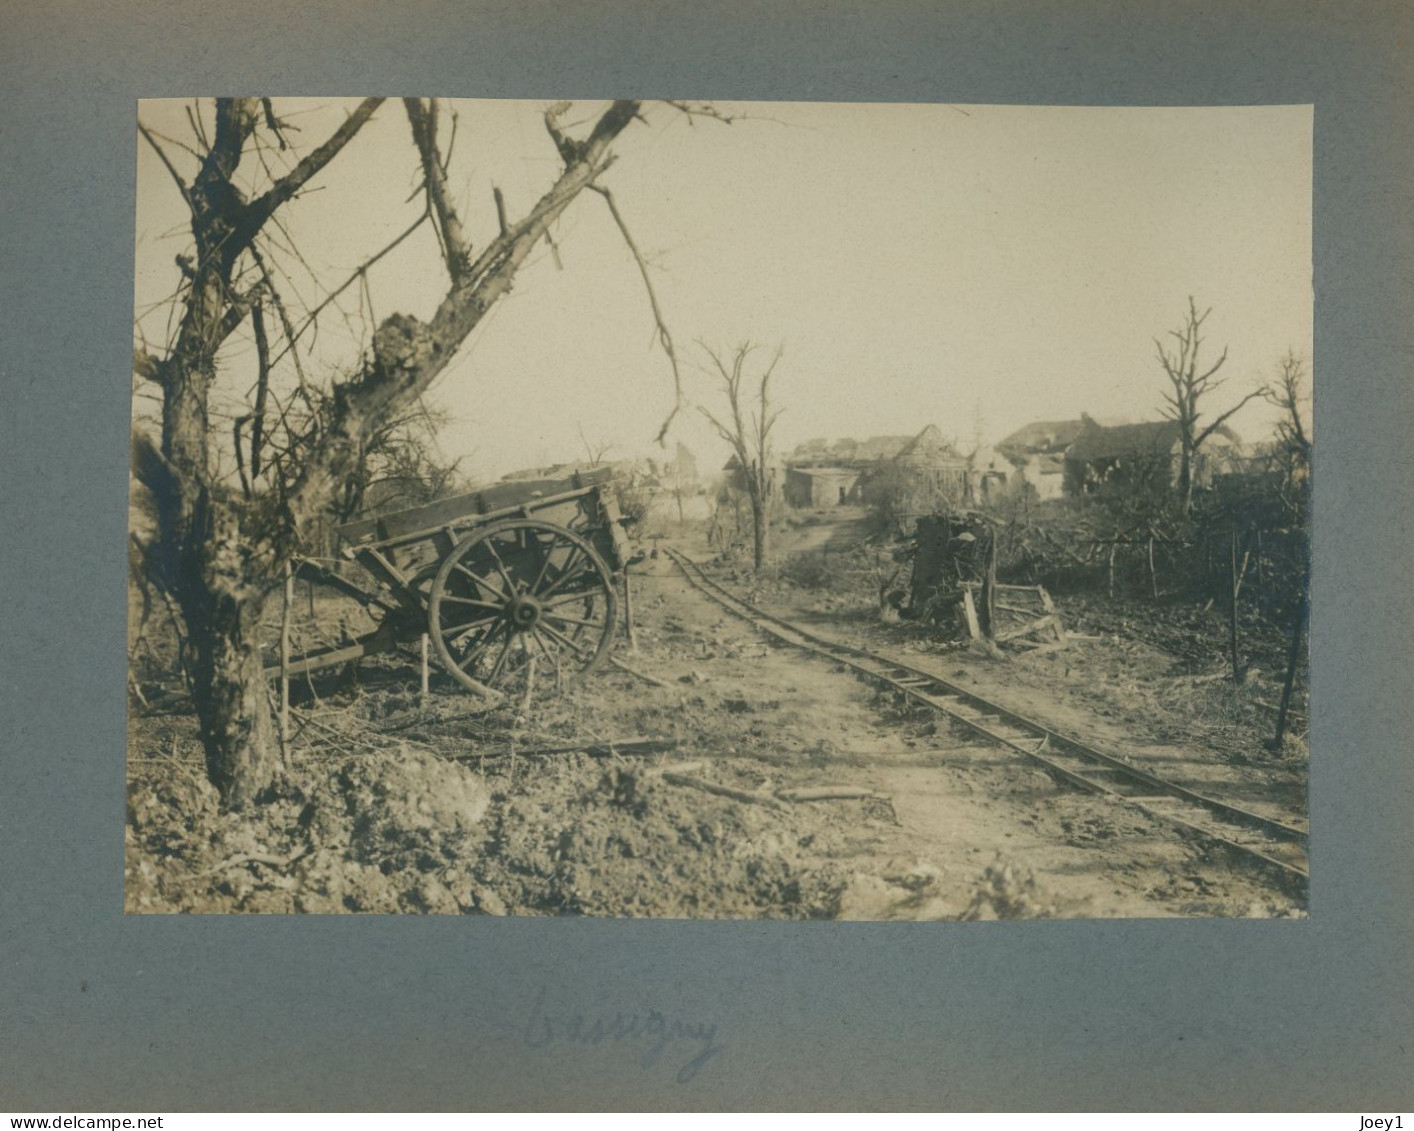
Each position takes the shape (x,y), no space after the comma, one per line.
(652,1032)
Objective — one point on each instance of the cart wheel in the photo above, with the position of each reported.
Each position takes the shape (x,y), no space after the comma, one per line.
(520,590)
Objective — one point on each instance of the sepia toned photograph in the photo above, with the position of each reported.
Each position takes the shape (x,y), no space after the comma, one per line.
(677,509)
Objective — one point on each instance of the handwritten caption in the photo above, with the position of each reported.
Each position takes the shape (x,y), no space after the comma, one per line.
(652,1033)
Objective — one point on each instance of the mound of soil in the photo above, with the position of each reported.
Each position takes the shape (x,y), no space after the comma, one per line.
(376,832)
(408,831)
(618,840)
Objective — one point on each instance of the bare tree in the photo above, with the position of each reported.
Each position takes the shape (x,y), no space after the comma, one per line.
(1189,388)
(220,549)
(596,451)
(748,431)
(1290,393)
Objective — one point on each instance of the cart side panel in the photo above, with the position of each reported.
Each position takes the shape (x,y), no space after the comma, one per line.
(458,509)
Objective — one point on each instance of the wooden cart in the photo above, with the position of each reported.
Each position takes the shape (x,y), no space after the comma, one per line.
(506,581)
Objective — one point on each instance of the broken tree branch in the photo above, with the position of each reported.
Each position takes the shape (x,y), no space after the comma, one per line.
(728,791)
(171,169)
(262,390)
(653,679)
(422,116)
(663,336)
(408,354)
(262,207)
(832,793)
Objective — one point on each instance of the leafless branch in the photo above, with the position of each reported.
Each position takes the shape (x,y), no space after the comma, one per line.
(262,207)
(171,169)
(1219,420)
(701,110)
(1188,390)
(237,443)
(594,452)
(664,336)
(272,123)
(422,116)
(197,128)
(262,389)
(408,355)
(353,278)
(280,310)
(500,199)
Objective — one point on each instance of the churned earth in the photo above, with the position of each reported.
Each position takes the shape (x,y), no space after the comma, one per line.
(702,799)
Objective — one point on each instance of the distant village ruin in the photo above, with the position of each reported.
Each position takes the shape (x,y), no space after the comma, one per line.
(1041,461)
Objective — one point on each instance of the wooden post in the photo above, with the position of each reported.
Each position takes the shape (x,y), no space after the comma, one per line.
(1293,657)
(969,614)
(285,664)
(628,614)
(989,590)
(1232,607)
(424,670)
(1242,569)
(1153,574)
(524,712)
(1113,548)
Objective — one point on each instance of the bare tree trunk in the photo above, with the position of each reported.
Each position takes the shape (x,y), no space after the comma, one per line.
(220,559)
(760,530)
(232,701)
(1292,660)
(1185,477)
(989,589)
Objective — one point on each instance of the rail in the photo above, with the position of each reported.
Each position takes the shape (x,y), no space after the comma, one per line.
(1274,844)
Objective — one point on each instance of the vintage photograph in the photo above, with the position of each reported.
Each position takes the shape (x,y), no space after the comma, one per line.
(719,510)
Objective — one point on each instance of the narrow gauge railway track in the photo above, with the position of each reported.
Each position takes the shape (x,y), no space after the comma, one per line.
(1277,847)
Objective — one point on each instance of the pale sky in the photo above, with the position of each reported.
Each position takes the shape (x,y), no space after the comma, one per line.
(947,264)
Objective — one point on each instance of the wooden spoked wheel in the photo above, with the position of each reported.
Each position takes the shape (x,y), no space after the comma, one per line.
(521,597)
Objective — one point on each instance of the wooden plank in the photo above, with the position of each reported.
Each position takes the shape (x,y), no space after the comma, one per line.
(1052,646)
(1026,629)
(546,508)
(989,587)
(1050,608)
(497,497)
(974,629)
(335,655)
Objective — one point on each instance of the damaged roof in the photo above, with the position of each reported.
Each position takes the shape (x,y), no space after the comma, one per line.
(929,447)
(1153,437)
(1041,436)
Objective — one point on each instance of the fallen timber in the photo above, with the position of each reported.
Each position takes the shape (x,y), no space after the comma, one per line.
(1278,848)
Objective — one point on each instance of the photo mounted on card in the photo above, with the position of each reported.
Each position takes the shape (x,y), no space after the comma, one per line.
(720,510)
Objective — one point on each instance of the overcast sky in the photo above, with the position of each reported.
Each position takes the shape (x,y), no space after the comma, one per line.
(966,266)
